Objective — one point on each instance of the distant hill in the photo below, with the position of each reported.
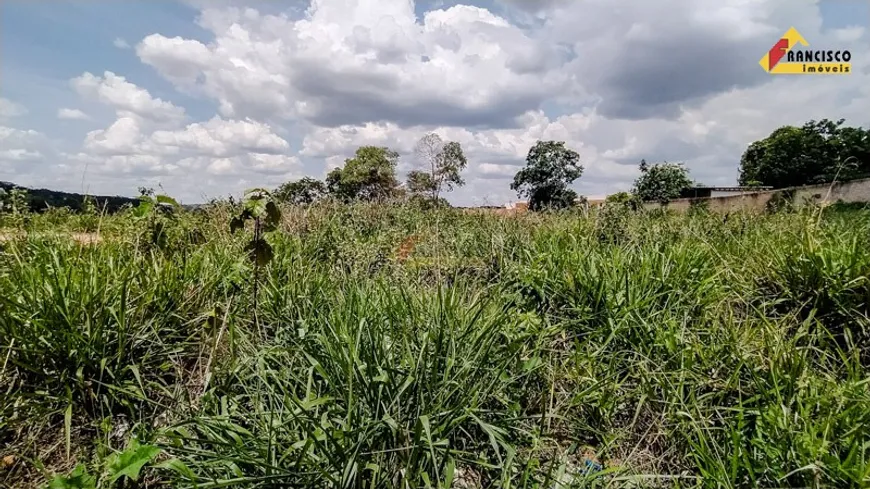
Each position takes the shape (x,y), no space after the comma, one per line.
(42,199)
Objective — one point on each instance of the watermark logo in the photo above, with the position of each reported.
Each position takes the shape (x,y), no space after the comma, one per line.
(786,58)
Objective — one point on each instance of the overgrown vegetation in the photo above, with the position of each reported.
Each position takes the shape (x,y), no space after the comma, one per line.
(394,347)
(817,152)
(661,182)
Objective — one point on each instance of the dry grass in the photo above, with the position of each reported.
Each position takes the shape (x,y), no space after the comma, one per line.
(78,237)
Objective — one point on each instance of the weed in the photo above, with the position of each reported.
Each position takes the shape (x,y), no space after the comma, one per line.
(376,345)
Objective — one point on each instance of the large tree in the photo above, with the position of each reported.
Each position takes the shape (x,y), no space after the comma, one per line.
(550,169)
(300,192)
(661,182)
(441,164)
(369,175)
(817,152)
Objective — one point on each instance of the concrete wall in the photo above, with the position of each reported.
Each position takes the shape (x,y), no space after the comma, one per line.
(725,193)
(853,191)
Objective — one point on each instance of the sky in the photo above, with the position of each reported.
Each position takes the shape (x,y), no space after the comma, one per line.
(205,98)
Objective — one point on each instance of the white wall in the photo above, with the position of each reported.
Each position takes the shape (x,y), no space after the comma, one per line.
(726,193)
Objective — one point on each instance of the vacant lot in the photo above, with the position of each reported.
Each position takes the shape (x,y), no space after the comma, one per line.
(391,347)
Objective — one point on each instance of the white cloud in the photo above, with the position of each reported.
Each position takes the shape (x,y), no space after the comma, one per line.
(9,109)
(120,43)
(123,137)
(219,137)
(140,164)
(218,147)
(504,146)
(849,34)
(21,151)
(11,134)
(125,97)
(268,167)
(273,163)
(179,60)
(328,141)
(500,171)
(72,114)
(617,80)
(355,62)
(20,155)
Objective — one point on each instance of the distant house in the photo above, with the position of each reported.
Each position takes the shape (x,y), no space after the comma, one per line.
(708,192)
(590,202)
(521,205)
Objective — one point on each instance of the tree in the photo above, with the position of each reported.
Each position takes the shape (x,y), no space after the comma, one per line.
(550,168)
(370,175)
(817,152)
(619,198)
(420,183)
(661,182)
(442,164)
(301,192)
(852,145)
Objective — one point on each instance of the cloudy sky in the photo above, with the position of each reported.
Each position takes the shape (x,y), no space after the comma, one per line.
(207,98)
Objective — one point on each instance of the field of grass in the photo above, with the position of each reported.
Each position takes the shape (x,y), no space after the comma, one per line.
(390,347)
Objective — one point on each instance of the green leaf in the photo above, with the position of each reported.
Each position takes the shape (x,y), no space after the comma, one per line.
(383,377)
(424,422)
(390,422)
(236,224)
(449,471)
(78,479)
(178,467)
(67,428)
(260,252)
(131,460)
(256,205)
(143,209)
(273,214)
(165,199)
(532,363)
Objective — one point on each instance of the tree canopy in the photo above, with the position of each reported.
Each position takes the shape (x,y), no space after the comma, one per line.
(441,164)
(369,175)
(622,198)
(817,152)
(300,192)
(550,168)
(661,182)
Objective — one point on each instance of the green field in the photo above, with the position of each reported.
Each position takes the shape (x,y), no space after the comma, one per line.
(386,346)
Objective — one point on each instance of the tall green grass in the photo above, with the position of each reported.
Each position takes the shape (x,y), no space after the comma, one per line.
(391,347)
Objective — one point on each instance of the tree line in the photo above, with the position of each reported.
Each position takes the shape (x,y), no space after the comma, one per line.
(40,199)
(817,152)
(371,176)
